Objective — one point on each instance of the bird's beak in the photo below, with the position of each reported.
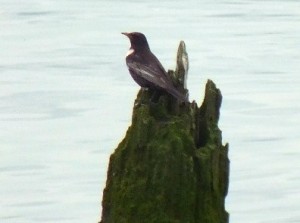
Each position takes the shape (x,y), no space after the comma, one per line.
(126,34)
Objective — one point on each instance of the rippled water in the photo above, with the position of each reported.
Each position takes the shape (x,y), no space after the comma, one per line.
(66,98)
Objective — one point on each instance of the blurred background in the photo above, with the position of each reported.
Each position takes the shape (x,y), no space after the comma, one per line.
(66,98)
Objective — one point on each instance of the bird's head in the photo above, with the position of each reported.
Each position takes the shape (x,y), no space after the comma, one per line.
(138,40)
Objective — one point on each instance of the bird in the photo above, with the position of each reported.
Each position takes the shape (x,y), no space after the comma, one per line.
(145,68)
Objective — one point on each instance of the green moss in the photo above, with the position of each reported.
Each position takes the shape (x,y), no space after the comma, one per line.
(159,174)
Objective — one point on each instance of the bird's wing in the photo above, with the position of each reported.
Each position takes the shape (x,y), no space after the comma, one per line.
(150,69)
(149,74)
(152,73)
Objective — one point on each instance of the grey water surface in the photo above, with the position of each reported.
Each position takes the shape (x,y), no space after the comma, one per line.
(66,98)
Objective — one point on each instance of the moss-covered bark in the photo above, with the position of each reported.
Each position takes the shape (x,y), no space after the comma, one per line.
(171,167)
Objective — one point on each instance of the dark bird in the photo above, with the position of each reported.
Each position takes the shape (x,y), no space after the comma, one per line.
(145,68)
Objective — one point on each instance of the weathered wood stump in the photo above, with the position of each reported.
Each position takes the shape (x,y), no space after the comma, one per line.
(171,167)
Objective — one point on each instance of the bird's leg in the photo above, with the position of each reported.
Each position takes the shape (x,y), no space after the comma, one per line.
(144,96)
(149,96)
(155,96)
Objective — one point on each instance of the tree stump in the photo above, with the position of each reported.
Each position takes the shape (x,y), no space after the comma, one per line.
(171,167)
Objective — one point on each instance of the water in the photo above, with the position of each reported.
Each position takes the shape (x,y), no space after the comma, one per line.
(66,99)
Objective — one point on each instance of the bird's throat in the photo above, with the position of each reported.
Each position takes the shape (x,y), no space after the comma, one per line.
(130,51)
